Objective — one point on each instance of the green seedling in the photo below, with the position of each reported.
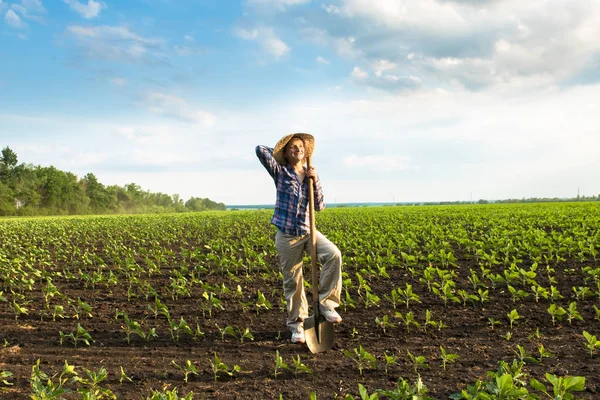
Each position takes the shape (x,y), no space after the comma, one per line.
(592,343)
(418,361)
(44,387)
(362,358)
(123,376)
(492,322)
(91,388)
(219,367)
(556,312)
(562,387)
(245,334)
(383,322)
(408,320)
(262,302)
(407,295)
(280,365)
(3,376)
(572,313)
(390,360)
(448,358)
(513,316)
(187,369)
(299,366)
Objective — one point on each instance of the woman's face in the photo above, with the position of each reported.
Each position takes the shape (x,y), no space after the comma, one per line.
(294,151)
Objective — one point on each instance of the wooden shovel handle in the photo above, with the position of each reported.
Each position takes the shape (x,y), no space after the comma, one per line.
(313,236)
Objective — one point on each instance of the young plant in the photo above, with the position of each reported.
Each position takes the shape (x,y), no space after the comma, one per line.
(493,322)
(592,343)
(187,369)
(408,320)
(404,391)
(219,367)
(543,353)
(262,302)
(348,302)
(418,361)
(131,327)
(383,322)
(572,313)
(513,316)
(299,366)
(408,295)
(228,330)
(390,360)
(280,365)
(91,385)
(244,334)
(44,387)
(362,358)
(562,388)
(448,358)
(123,376)
(80,335)
(3,376)
(556,312)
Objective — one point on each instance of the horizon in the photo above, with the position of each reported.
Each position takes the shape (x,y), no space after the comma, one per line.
(437,100)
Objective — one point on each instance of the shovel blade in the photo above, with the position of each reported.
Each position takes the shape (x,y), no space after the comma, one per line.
(318,333)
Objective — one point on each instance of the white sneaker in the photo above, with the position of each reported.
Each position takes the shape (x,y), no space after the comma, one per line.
(298,336)
(331,315)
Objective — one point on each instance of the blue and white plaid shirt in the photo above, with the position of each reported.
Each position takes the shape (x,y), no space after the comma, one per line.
(291,208)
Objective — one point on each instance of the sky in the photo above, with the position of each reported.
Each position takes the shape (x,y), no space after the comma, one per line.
(408,101)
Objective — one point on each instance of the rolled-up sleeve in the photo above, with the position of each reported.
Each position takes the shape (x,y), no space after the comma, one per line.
(319,199)
(265,155)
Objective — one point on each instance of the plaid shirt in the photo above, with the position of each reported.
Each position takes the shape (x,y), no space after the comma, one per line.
(291,209)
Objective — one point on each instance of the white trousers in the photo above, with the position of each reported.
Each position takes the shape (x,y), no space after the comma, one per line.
(291,252)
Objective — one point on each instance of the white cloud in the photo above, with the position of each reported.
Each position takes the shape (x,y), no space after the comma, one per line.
(14,20)
(189,50)
(321,60)
(359,74)
(188,38)
(280,5)
(91,10)
(509,43)
(30,10)
(267,39)
(177,107)
(118,81)
(117,43)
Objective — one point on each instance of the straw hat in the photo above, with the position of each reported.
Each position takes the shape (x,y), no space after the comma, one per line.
(309,146)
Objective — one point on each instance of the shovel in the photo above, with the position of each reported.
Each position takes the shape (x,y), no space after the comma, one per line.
(318,332)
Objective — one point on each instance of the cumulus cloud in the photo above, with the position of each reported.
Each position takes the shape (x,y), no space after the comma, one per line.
(267,39)
(321,60)
(90,10)
(177,107)
(30,9)
(473,44)
(117,43)
(14,20)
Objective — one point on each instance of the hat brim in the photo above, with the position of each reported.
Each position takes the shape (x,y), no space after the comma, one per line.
(309,146)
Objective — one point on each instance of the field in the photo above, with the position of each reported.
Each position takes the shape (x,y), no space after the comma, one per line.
(483,299)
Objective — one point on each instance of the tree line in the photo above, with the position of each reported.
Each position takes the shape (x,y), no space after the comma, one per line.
(28,190)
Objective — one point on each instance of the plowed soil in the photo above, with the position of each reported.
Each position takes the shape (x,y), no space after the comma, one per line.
(149,363)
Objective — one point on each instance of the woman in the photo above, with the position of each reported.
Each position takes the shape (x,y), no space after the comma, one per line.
(286,165)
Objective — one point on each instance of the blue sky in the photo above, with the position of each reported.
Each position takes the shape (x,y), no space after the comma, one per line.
(434,100)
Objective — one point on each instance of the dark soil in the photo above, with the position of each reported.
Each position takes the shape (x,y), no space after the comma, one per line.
(149,364)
